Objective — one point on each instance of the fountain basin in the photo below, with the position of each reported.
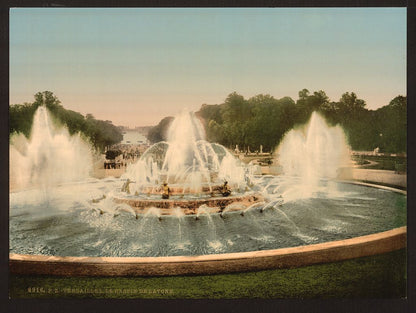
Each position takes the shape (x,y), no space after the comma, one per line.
(56,224)
(290,257)
(190,206)
(334,251)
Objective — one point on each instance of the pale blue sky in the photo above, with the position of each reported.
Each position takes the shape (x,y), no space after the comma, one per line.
(135,66)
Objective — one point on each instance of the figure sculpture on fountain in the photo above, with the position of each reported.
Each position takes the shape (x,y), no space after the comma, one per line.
(126,187)
(225,189)
(165,191)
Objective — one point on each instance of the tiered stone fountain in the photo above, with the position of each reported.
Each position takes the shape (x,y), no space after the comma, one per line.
(194,169)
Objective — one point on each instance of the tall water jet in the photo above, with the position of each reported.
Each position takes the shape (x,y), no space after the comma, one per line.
(186,161)
(50,156)
(314,152)
(183,152)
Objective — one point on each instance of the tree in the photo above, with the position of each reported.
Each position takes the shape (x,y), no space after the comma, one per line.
(308,103)
(48,99)
(303,94)
(99,133)
(263,120)
(21,118)
(235,108)
(159,132)
(392,125)
(399,102)
(235,113)
(211,117)
(320,99)
(215,131)
(351,103)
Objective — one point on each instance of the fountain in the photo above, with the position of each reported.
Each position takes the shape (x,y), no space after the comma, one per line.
(314,152)
(124,227)
(193,168)
(311,158)
(49,157)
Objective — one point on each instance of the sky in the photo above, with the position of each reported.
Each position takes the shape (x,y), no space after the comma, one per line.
(134,66)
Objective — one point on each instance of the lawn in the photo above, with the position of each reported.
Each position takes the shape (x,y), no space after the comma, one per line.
(381,276)
(391,163)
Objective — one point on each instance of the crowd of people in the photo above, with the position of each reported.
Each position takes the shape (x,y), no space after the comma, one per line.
(126,154)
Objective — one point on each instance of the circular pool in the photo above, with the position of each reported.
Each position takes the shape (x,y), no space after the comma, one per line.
(64,222)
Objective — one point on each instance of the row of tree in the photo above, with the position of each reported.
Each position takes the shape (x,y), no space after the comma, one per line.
(260,120)
(99,133)
(263,120)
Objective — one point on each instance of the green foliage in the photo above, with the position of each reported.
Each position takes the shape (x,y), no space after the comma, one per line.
(270,120)
(260,120)
(159,132)
(263,120)
(392,124)
(112,154)
(100,133)
(21,118)
(350,103)
(307,103)
(366,129)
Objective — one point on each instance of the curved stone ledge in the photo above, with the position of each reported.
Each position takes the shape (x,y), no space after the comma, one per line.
(211,264)
(190,206)
(179,190)
(354,182)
